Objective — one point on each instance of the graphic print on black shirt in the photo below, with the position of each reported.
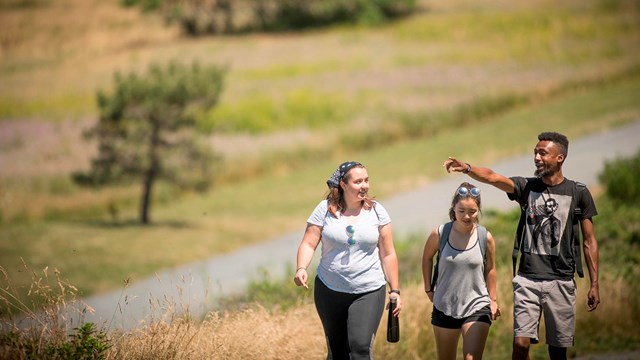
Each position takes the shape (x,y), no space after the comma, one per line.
(547,217)
(548,245)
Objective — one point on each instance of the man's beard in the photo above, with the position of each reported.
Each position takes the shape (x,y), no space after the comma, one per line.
(548,170)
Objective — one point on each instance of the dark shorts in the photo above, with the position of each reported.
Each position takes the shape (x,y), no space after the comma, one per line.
(440,319)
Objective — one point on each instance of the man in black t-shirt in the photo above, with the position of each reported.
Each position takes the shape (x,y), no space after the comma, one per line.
(555,210)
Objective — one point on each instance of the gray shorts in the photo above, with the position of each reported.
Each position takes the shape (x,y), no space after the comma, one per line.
(556,299)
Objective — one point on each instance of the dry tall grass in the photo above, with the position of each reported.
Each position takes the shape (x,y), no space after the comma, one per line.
(253,333)
(256,332)
(26,331)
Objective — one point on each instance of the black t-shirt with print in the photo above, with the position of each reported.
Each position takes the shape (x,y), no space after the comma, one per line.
(547,246)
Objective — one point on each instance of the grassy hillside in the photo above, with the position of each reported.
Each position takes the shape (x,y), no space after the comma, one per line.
(304,94)
(295,105)
(100,254)
(398,97)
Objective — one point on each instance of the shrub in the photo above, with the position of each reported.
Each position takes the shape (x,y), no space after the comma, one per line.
(199,17)
(37,327)
(618,226)
(86,343)
(620,178)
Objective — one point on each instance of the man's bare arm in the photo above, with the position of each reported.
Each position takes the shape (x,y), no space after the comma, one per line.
(482,174)
(590,248)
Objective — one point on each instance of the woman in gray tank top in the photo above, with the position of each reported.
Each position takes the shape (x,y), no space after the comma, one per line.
(463,288)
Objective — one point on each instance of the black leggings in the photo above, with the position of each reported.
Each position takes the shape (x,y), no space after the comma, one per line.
(350,321)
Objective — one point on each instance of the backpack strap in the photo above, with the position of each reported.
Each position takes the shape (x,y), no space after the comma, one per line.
(517,241)
(443,235)
(482,241)
(326,214)
(376,211)
(576,216)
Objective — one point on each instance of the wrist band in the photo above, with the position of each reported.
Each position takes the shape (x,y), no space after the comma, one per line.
(394,291)
(301,267)
(466,171)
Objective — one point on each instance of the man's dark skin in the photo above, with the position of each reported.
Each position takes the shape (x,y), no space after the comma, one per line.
(548,159)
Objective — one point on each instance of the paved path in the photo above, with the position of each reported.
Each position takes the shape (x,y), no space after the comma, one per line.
(416,211)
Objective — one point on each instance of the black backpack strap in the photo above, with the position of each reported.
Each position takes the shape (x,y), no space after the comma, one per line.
(517,241)
(575,222)
(443,235)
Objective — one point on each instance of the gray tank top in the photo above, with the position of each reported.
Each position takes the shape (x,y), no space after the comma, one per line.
(461,289)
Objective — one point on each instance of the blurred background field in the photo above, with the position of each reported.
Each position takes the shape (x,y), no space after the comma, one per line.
(475,79)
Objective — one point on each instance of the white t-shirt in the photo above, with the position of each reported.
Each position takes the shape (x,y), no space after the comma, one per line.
(348,268)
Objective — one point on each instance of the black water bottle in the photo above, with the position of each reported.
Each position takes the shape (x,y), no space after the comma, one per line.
(393,323)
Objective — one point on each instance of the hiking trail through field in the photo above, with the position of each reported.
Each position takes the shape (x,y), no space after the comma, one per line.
(197,287)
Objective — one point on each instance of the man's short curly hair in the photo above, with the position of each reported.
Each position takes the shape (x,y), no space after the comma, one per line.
(558,139)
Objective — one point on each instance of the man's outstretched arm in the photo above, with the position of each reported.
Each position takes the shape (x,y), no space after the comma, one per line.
(481,174)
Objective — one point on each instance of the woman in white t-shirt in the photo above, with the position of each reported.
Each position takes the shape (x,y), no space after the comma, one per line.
(357,260)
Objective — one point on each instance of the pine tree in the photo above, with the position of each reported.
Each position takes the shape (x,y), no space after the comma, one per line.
(147,130)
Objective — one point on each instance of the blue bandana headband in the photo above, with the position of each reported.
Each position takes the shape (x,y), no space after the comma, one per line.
(341,171)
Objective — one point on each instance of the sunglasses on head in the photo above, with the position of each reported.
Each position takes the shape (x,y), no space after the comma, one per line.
(350,231)
(463,191)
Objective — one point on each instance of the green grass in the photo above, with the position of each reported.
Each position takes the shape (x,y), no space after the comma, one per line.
(57,108)
(571,34)
(298,69)
(262,113)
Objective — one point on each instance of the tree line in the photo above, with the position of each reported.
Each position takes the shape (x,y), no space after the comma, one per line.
(203,17)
